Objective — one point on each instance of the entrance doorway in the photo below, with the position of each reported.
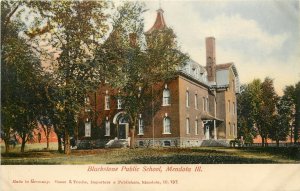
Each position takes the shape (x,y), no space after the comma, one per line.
(122,131)
(123,128)
(207,132)
(121,121)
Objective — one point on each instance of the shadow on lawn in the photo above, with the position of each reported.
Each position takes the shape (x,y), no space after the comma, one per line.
(194,159)
(286,152)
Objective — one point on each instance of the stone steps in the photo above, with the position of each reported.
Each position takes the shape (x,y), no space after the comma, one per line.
(117,143)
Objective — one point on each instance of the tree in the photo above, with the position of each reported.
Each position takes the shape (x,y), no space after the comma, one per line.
(20,69)
(265,119)
(292,96)
(259,110)
(140,62)
(76,29)
(245,115)
(281,125)
(297,114)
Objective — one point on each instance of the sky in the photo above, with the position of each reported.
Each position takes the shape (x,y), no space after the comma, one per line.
(260,37)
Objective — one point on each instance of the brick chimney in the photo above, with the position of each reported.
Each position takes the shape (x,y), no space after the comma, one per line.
(211,58)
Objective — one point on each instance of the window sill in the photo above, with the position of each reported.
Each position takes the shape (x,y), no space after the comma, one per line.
(167,133)
(106,109)
(140,134)
(107,135)
(166,105)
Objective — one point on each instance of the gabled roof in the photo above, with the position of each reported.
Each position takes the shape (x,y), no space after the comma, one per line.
(226,66)
(159,23)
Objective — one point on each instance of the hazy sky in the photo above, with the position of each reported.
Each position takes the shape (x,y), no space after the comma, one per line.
(260,37)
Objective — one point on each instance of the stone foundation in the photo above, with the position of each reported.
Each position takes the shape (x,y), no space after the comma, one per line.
(167,142)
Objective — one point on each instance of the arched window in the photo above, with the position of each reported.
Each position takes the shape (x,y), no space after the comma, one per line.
(196,127)
(167,125)
(187,124)
(166,96)
(187,98)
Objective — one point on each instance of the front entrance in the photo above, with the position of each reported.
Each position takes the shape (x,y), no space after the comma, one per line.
(121,121)
(207,132)
(122,131)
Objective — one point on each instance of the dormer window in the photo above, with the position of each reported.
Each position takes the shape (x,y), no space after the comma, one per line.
(166,96)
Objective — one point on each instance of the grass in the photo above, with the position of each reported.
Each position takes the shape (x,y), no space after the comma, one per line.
(35,154)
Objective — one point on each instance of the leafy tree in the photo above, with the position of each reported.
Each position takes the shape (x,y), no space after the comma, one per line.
(20,71)
(281,125)
(265,119)
(292,96)
(245,115)
(140,62)
(76,29)
(297,114)
(257,115)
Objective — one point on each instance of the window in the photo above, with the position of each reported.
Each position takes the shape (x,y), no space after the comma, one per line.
(141,125)
(207,105)
(167,125)
(167,143)
(228,105)
(188,130)
(141,143)
(87,128)
(87,104)
(107,127)
(166,96)
(87,101)
(196,101)
(187,99)
(119,102)
(233,108)
(204,104)
(196,127)
(106,107)
(234,131)
(230,129)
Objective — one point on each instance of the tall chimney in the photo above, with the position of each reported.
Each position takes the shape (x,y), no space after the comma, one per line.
(211,58)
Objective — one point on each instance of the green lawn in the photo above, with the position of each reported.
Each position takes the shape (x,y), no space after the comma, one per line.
(35,154)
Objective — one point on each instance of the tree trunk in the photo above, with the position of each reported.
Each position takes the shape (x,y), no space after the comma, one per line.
(291,134)
(132,139)
(262,141)
(47,136)
(23,136)
(47,142)
(59,144)
(58,134)
(277,143)
(67,148)
(6,146)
